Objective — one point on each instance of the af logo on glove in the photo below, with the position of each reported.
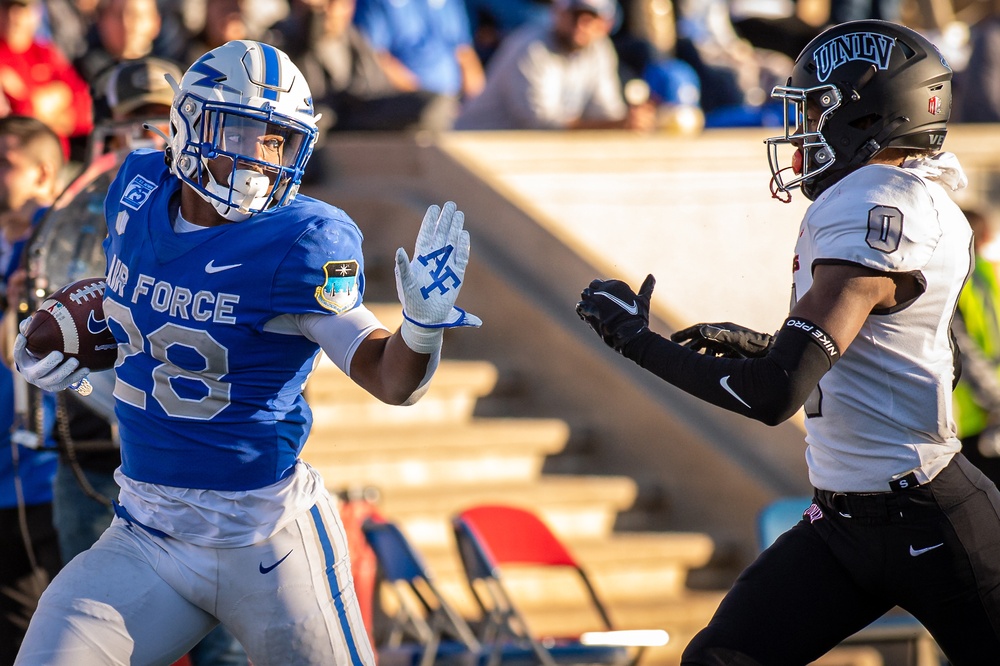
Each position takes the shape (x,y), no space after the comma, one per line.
(428,286)
(441,273)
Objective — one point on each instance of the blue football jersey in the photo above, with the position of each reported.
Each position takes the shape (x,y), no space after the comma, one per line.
(206,398)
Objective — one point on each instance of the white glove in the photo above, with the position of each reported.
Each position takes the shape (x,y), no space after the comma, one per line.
(429,284)
(50,373)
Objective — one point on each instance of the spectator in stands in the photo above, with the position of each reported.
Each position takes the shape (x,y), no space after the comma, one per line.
(36,79)
(31,159)
(562,75)
(977,88)
(223,21)
(977,330)
(124,30)
(349,86)
(785,26)
(736,78)
(493,20)
(646,45)
(68,24)
(423,44)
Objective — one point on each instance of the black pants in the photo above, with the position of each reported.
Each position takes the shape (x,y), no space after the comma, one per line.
(20,583)
(933,550)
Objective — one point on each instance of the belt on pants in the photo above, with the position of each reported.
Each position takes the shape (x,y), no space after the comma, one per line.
(870,505)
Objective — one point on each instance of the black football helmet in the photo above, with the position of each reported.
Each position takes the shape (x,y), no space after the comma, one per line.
(857,88)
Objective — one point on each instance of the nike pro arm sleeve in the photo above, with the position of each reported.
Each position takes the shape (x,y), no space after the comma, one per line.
(769,389)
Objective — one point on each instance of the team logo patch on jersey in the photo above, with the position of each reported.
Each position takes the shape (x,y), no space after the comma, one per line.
(867,46)
(137,192)
(885,228)
(339,291)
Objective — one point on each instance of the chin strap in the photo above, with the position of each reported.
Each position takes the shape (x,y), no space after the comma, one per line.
(782,195)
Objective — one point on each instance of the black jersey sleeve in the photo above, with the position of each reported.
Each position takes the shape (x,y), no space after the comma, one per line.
(769,389)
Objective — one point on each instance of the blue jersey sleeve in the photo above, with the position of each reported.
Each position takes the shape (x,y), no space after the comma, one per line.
(323,272)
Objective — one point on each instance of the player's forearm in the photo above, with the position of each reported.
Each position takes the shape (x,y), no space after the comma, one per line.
(394,373)
(769,389)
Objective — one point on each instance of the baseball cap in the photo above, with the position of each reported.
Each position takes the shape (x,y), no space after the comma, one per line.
(136,83)
(603,8)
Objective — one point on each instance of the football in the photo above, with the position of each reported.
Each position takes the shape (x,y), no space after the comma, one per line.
(71,320)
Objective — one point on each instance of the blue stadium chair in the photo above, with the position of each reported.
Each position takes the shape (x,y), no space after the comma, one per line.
(491,536)
(426,629)
(897,626)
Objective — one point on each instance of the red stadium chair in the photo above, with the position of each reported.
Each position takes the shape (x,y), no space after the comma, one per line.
(491,537)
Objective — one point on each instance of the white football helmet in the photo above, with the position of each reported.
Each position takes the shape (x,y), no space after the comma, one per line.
(248,102)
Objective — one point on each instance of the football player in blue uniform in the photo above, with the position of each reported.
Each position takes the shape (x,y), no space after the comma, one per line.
(899,515)
(222,286)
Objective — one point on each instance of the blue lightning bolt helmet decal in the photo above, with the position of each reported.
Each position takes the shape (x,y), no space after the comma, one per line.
(211,77)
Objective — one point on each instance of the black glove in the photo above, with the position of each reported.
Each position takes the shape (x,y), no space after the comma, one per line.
(725,339)
(612,309)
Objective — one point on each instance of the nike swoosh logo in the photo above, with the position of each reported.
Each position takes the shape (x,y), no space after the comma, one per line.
(210,267)
(724,382)
(631,309)
(265,570)
(95,325)
(920,551)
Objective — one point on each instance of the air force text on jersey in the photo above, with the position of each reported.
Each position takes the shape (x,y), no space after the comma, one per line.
(174,301)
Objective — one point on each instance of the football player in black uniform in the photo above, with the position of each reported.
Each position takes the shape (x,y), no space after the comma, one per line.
(899,516)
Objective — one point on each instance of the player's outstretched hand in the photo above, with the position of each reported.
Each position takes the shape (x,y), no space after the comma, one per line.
(51,372)
(725,339)
(614,311)
(428,285)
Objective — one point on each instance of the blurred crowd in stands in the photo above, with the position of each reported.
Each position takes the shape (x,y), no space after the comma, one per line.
(679,65)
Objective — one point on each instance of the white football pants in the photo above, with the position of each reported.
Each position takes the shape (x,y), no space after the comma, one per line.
(138,599)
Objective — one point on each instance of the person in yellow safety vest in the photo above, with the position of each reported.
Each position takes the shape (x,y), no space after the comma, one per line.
(977,330)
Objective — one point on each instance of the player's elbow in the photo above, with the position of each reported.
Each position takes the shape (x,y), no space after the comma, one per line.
(776,415)
(782,403)
(415,396)
(400,398)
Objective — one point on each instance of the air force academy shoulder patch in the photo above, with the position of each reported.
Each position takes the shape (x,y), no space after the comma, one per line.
(339,291)
(137,192)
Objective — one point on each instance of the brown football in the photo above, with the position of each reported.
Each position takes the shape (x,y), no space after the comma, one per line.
(71,320)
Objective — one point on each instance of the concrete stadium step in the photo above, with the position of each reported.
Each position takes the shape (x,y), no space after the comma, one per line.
(482,451)
(452,396)
(582,506)
(682,618)
(624,568)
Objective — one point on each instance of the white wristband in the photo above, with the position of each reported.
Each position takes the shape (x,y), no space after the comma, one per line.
(419,339)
